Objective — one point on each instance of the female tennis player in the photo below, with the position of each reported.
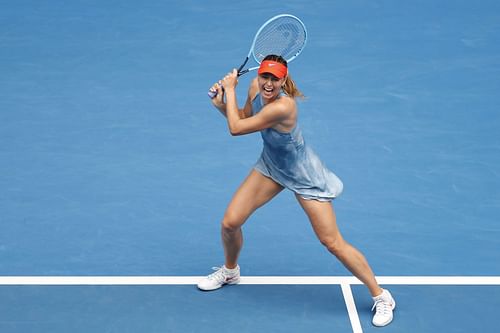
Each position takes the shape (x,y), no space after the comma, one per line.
(286,162)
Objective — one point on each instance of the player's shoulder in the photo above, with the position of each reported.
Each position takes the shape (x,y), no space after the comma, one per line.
(285,103)
(283,107)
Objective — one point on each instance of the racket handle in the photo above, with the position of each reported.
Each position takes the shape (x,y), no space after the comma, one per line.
(212,93)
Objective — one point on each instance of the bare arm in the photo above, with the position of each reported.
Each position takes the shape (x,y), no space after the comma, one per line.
(270,115)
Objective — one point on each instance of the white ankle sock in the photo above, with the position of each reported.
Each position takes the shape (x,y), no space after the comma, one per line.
(231,270)
(382,295)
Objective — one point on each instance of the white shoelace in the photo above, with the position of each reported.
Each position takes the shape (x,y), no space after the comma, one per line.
(218,275)
(382,307)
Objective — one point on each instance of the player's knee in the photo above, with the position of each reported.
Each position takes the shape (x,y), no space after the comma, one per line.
(232,221)
(333,244)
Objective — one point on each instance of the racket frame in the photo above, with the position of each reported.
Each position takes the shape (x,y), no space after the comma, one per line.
(242,71)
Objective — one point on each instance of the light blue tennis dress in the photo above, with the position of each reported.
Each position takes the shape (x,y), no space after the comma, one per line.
(291,163)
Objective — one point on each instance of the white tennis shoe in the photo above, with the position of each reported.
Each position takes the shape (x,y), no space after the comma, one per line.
(383,305)
(220,277)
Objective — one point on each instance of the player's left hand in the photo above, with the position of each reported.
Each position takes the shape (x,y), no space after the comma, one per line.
(230,81)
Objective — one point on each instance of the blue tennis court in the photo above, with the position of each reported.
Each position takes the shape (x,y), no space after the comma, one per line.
(115,170)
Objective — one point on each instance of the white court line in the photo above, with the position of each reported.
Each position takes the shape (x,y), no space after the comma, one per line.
(351,308)
(251,280)
(344,281)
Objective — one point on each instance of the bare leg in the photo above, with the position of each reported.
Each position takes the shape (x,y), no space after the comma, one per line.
(254,192)
(323,221)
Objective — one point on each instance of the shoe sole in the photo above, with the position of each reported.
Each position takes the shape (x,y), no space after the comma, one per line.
(236,281)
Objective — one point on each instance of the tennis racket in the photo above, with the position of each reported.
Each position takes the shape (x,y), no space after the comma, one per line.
(283,35)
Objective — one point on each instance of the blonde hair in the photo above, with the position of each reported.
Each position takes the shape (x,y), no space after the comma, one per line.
(289,86)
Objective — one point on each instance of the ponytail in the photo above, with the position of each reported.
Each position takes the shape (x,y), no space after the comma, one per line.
(290,88)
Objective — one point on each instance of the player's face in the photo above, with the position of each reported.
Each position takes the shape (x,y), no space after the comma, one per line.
(269,85)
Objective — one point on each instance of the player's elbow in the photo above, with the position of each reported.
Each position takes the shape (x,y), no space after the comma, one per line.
(235,132)
(235,129)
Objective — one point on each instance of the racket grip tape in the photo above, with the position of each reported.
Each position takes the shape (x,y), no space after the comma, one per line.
(212,93)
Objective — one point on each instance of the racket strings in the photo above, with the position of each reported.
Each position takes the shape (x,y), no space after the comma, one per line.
(284,36)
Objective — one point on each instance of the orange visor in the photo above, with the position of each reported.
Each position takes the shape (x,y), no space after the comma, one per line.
(277,69)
